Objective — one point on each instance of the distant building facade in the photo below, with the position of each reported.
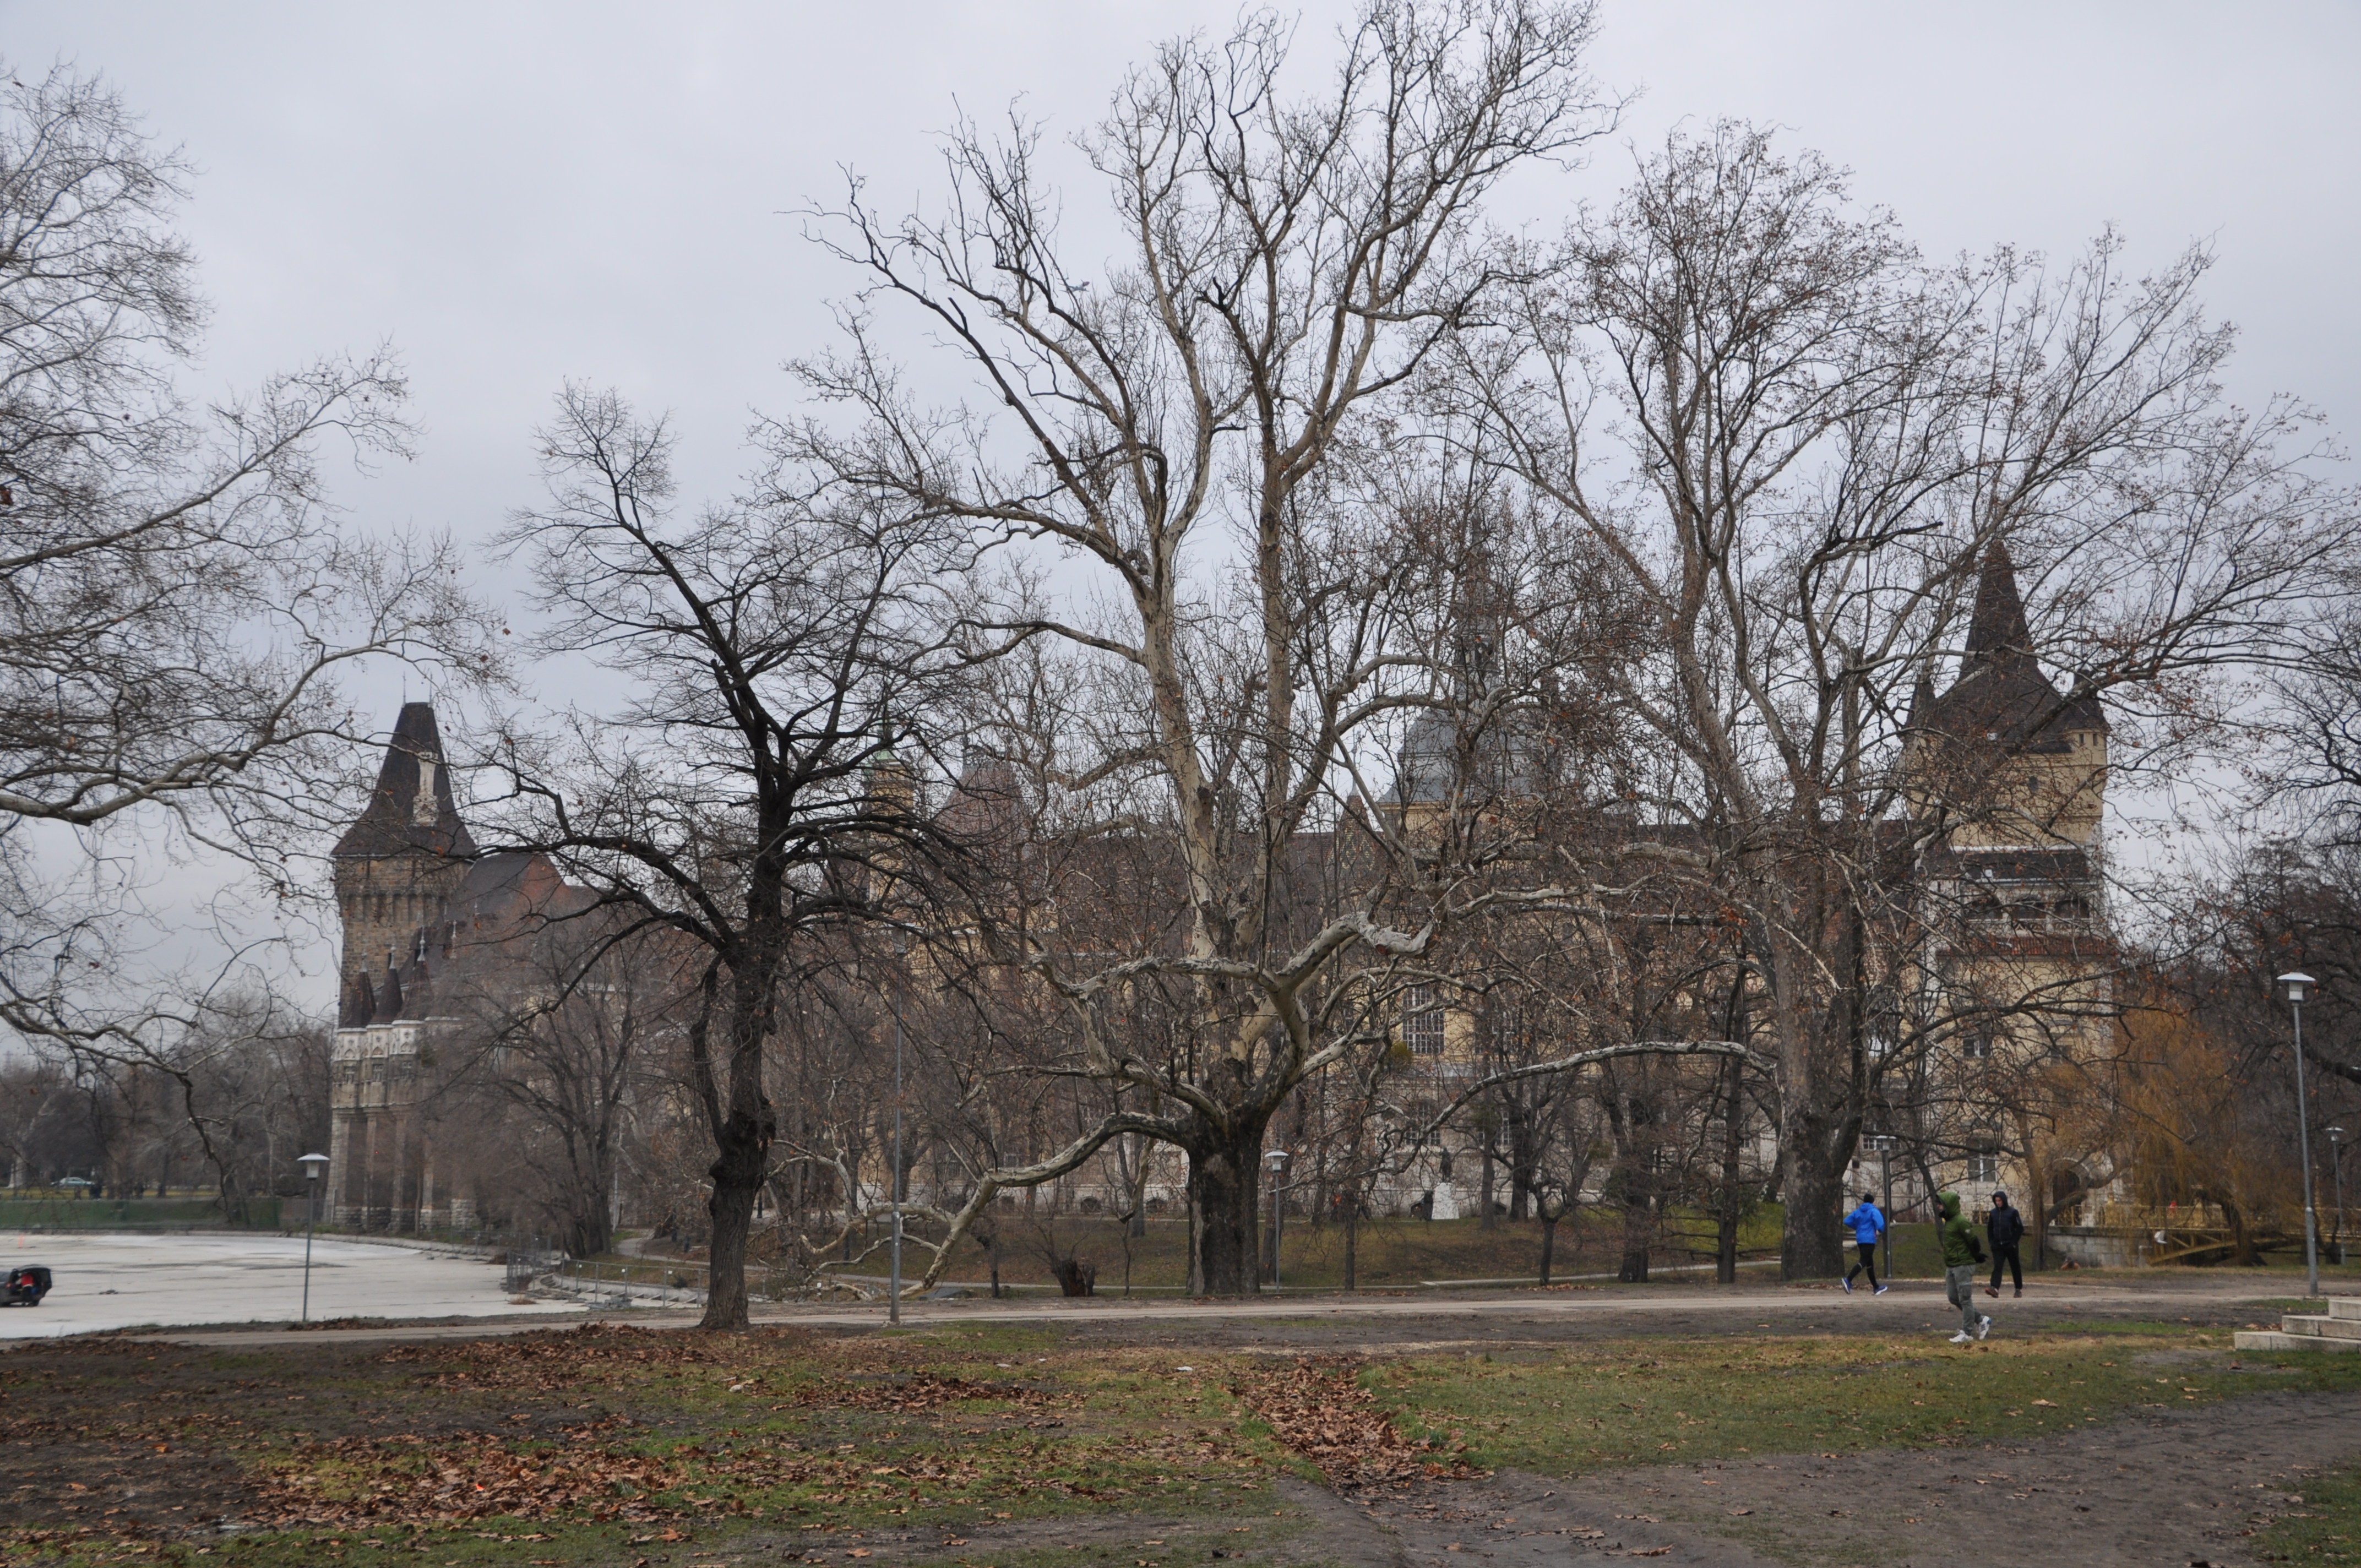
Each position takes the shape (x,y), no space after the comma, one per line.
(2011,774)
(430,926)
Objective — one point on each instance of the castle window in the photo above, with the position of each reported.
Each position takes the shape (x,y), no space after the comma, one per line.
(1421,1022)
(1976,1047)
(1983,909)
(2074,911)
(1983,1156)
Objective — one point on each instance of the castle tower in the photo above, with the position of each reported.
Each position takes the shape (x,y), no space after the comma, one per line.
(2009,759)
(2013,894)
(397,868)
(406,854)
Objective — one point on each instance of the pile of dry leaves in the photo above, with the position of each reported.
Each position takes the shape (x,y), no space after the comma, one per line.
(454,1476)
(917,1391)
(1318,1409)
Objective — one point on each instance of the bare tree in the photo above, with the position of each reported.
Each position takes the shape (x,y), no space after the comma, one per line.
(1199,438)
(176,595)
(567,1039)
(1801,444)
(748,799)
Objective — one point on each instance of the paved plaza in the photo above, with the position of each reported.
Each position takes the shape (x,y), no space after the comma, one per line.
(119,1281)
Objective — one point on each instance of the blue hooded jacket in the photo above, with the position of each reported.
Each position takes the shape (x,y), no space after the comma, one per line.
(1867,1224)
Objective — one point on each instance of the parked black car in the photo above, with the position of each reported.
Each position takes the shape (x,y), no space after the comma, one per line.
(23,1285)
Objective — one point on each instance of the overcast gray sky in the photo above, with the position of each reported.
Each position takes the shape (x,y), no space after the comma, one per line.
(515,195)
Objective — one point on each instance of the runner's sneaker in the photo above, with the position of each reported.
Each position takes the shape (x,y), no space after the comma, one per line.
(1847,1283)
(1960,1337)
(1984,1328)
(1882,1290)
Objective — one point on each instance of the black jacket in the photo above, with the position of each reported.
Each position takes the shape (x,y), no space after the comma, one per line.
(2006,1226)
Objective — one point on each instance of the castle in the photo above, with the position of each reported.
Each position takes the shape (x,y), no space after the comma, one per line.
(2005,966)
(1995,961)
(2011,775)
(429,925)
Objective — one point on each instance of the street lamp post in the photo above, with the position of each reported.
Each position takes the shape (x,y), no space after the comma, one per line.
(2336,1164)
(2297,988)
(1883,1144)
(313,1165)
(894,1180)
(1277,1159)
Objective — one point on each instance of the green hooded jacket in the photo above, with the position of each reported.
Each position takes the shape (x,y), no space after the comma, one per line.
(1959,1248)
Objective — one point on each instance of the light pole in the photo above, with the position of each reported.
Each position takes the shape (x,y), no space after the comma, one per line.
(313,1165)
(2337,1163)
(1883,1144)
(2297,988)
(1277,1160)
(894,1186)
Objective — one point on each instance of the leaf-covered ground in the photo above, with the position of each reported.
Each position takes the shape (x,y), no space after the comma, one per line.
(641,1436)
(1017,1447)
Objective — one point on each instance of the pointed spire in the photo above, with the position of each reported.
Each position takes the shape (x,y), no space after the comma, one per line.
(360,1003)
(2001,697)
(1997,627)
(389,1001)
(416,977)
(1922,701)
(412,808)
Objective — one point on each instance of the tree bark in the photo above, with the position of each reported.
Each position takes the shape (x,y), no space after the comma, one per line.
(736,1174)
(744,1125)
(1549,1244)
(1811,1247)
(1633,1269)
(1724,1259)
(1225,1184)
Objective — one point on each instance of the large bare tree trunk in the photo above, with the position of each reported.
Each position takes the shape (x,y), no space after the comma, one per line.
(1639,1228)
(1225,1181)
(1811,1247)
(737,1173)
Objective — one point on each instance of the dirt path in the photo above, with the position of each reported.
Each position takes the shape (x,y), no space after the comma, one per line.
(1411,1321)
(2161,1489)
(2166,1488)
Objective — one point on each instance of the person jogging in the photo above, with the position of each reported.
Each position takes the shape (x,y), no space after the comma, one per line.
(1962,1253)
(1868,1225)
(2006,1226)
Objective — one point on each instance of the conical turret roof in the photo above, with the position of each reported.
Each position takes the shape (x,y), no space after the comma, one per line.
(388,996)
(2001,697)
(412,808)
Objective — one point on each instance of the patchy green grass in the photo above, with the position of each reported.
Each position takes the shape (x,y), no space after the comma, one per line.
(2325,1527)
(614,1445)
(605,1445)
(1641,1401)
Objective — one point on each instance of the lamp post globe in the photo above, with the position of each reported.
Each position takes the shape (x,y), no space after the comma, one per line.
(2295,988)
(2336,1140)
(1277,1159)
(315,1167)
